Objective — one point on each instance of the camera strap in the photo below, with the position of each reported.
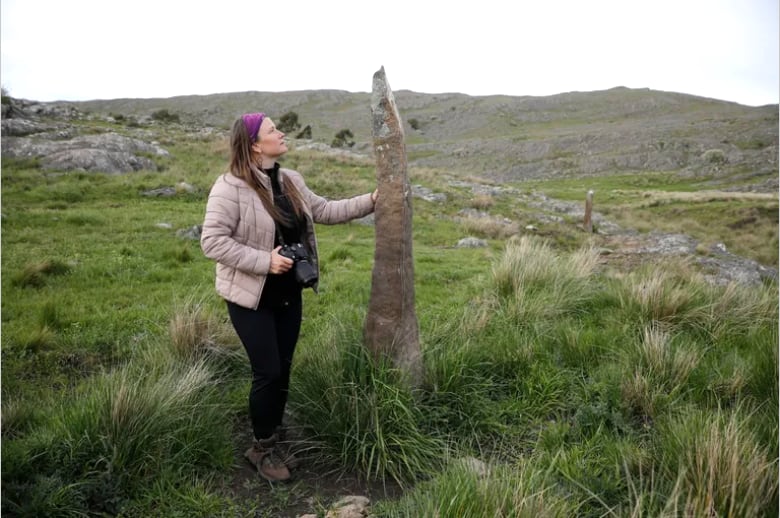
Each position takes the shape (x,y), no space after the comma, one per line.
(279,233)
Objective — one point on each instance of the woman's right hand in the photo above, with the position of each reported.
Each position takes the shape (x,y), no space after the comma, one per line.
(279,263)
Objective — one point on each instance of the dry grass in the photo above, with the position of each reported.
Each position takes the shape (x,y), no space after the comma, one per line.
(488,227)
(721,469)
(660,372)
(662,294)
(35,274)
(655,198)
(539,283)
(657,355)
(193,330)
(482,202)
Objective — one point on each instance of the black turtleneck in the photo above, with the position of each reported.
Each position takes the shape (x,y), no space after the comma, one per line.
(281,289)
(291,227)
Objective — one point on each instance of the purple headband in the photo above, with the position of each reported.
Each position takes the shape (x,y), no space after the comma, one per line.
(252,122)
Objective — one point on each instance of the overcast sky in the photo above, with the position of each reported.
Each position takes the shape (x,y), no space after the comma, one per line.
(103,49)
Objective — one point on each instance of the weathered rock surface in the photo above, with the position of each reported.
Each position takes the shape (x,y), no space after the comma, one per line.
(43,131)
(391,329)
(106,153)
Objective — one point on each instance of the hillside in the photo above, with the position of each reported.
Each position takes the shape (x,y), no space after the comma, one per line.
(631,371)
(517,138)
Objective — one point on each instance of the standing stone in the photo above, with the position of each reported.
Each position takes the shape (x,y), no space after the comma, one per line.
(391,329)
(588,222)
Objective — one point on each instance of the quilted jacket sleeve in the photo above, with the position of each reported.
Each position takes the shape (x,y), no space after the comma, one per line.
(218,237)
(330,212)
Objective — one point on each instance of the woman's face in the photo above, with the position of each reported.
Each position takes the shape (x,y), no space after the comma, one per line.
(270,141)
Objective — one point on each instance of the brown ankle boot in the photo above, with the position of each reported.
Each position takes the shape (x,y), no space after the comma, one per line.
(286,449)
(263,456)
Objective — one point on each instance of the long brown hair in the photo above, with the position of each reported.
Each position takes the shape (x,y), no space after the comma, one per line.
(241,166)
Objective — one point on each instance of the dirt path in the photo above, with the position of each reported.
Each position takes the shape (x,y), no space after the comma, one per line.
(314,486)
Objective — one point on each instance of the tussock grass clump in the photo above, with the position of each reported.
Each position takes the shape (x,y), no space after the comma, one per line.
(656,355)
(121,430)
(662,295)
(39,338)
(35,274)
(193,329)
(362,412)
(461,490)
(487,227)
(482,202)
(719,467)
(538,283)
(736,308)
(660,372)
(463,378)
(18,417)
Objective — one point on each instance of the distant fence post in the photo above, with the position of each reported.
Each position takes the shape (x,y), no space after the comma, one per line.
(588,223)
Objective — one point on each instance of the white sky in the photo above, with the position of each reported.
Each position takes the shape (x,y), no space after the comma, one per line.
(104,49)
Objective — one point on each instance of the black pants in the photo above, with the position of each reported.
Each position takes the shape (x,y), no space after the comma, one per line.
(269,336)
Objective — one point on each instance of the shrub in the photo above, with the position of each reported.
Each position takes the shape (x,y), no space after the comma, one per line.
(288,122)
(305,133)
(414,123)
(714,156)
(165,116)
(343,139)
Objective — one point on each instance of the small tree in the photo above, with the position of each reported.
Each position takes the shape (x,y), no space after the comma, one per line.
(343,139)
(288,122)
(305,134)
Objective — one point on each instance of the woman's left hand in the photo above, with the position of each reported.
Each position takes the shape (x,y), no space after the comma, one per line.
(374,196)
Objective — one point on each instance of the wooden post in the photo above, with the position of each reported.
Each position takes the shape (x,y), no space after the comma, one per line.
(588,224)
(391,329)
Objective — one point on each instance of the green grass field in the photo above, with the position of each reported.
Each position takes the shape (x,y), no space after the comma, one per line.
(582,393)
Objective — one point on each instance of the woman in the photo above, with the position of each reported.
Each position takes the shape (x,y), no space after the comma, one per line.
(252,211)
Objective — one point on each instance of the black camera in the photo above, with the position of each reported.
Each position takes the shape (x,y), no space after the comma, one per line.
(305,273)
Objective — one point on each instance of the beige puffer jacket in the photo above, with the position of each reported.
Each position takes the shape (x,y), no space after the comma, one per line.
(238,233)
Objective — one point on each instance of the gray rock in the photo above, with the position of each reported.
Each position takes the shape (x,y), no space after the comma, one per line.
(732,268)
(192,232)
(163,192)
(96,160)
(418,191)
(669,244)
(349,507)
(167,192)
(107,152)
(23,127)
(471,242)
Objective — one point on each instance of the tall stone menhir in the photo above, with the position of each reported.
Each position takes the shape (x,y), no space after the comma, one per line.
(391,330)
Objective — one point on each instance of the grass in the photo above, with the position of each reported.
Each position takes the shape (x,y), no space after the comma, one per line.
(552,386)
(747,223)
